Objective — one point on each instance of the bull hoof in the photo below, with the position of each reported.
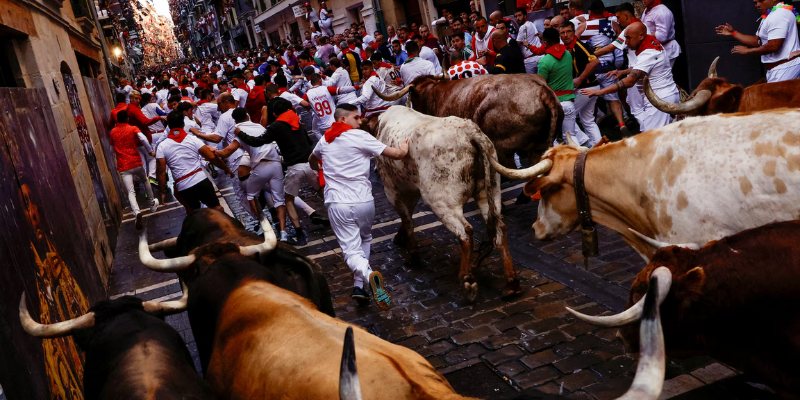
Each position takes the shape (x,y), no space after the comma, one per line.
(470,288)
(511,290)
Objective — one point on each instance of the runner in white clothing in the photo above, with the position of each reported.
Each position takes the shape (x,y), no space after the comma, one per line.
(651,60)
(238,161)
(371,103)
(181,153)
(414,65)
(426,53)
(340,78)
(775,40)
(266,171)
(321,100)
(527,35)
(346,152)
(661,23)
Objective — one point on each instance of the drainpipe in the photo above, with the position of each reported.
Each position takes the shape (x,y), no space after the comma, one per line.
(376,8)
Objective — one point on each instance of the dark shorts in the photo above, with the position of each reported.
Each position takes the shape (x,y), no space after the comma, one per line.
(202,192)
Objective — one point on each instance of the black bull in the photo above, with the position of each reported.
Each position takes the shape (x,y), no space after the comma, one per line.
(130,353)
(217,267)
(518,112)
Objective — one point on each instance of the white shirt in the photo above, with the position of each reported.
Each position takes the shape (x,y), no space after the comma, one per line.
(207,114)
(528,33)
(779,24)
(293,98)
(239,95)
(182,159)
(323,104)
(225,128)
(426,53)
(389,76)
(341,78)
(268,151)
(655,64)
(661,23)
(161,97)
(481,45)
(345,165)
(189,123)
(149,111)
(415,67)
(368,99)
(127,91)
(252,82)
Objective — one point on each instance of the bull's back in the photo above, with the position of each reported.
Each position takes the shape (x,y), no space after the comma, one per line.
(274,344)
(769,96)
(710,177)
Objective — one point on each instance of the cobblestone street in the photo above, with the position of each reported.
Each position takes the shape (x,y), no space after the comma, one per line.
(529,346)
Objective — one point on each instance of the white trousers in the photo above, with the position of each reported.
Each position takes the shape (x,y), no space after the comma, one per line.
(127,180)
(569,127)
(653,118)
(584,107)
(532,64)
(785,72)
(266,175)
(352,225)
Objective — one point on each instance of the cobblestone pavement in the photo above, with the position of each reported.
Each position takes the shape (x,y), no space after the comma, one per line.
(491,348)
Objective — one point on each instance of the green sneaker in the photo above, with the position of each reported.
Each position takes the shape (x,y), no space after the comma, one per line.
(379,293)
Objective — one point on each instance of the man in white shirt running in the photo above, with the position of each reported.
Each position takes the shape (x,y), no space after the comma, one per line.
(371,103)
(414,65)
(321,100)
(345,152)
(181,153)
(266,171)
(238,161)
(651,61)
(775,40)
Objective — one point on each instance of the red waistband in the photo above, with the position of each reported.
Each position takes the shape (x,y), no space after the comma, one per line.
(188,175)
(564,92)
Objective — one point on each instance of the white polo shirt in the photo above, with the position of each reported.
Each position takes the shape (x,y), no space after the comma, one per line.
(323,104)
(268,151)
(345,165)
(415,67)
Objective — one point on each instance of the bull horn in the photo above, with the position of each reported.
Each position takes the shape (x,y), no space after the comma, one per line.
(699,99)
(168,307)
(573,143)
(659,244)
(393,96)
(168,265)
(57,329)
(349,387)
(542,167)
(269,243)
(634,313)
(712,70)
(650,371)
(163,245)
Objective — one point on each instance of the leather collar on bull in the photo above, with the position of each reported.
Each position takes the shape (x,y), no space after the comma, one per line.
(589,245)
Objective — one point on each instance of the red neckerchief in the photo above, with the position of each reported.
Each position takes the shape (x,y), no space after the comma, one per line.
(373,73)
(244,87)
(571,46)
(384,64)
(603,15)
(336,130)
(291,118)
(649,42)
(556,50)
(281,90)
(201,102)
(177,134)
(655,3)
(346,50)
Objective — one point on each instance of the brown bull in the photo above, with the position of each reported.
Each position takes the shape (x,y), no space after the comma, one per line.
(518,112)
(716,95)
(734,299)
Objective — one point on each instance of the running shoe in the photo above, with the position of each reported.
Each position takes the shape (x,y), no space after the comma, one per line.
(154,207)
(361,296)
(284,236)
(379,293)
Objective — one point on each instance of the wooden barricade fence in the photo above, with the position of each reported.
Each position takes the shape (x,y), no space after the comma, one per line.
(45,248)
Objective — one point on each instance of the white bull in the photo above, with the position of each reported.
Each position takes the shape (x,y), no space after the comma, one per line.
(450,160)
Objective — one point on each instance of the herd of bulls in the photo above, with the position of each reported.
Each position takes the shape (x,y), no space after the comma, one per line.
(720,187)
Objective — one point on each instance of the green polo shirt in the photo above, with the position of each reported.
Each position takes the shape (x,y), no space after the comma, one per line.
(558,74)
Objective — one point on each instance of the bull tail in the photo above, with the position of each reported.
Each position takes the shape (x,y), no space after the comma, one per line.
(486,155)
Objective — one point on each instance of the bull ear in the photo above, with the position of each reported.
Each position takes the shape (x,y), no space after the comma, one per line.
(694,279)
(726,100)
(534,186)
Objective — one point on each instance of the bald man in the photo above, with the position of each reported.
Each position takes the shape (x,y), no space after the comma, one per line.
(509,59)
(556,22)
(652,61)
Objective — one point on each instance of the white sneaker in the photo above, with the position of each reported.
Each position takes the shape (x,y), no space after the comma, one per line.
(154,207)
(284,237)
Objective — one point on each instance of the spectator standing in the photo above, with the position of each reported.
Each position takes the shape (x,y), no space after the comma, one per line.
(462,68)
(400,55)
(527,35)
(509,58)
(775,40)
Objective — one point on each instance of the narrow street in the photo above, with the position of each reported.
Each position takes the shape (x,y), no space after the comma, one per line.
(492,348)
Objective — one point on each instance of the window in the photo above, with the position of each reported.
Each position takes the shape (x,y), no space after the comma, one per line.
(10,72)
